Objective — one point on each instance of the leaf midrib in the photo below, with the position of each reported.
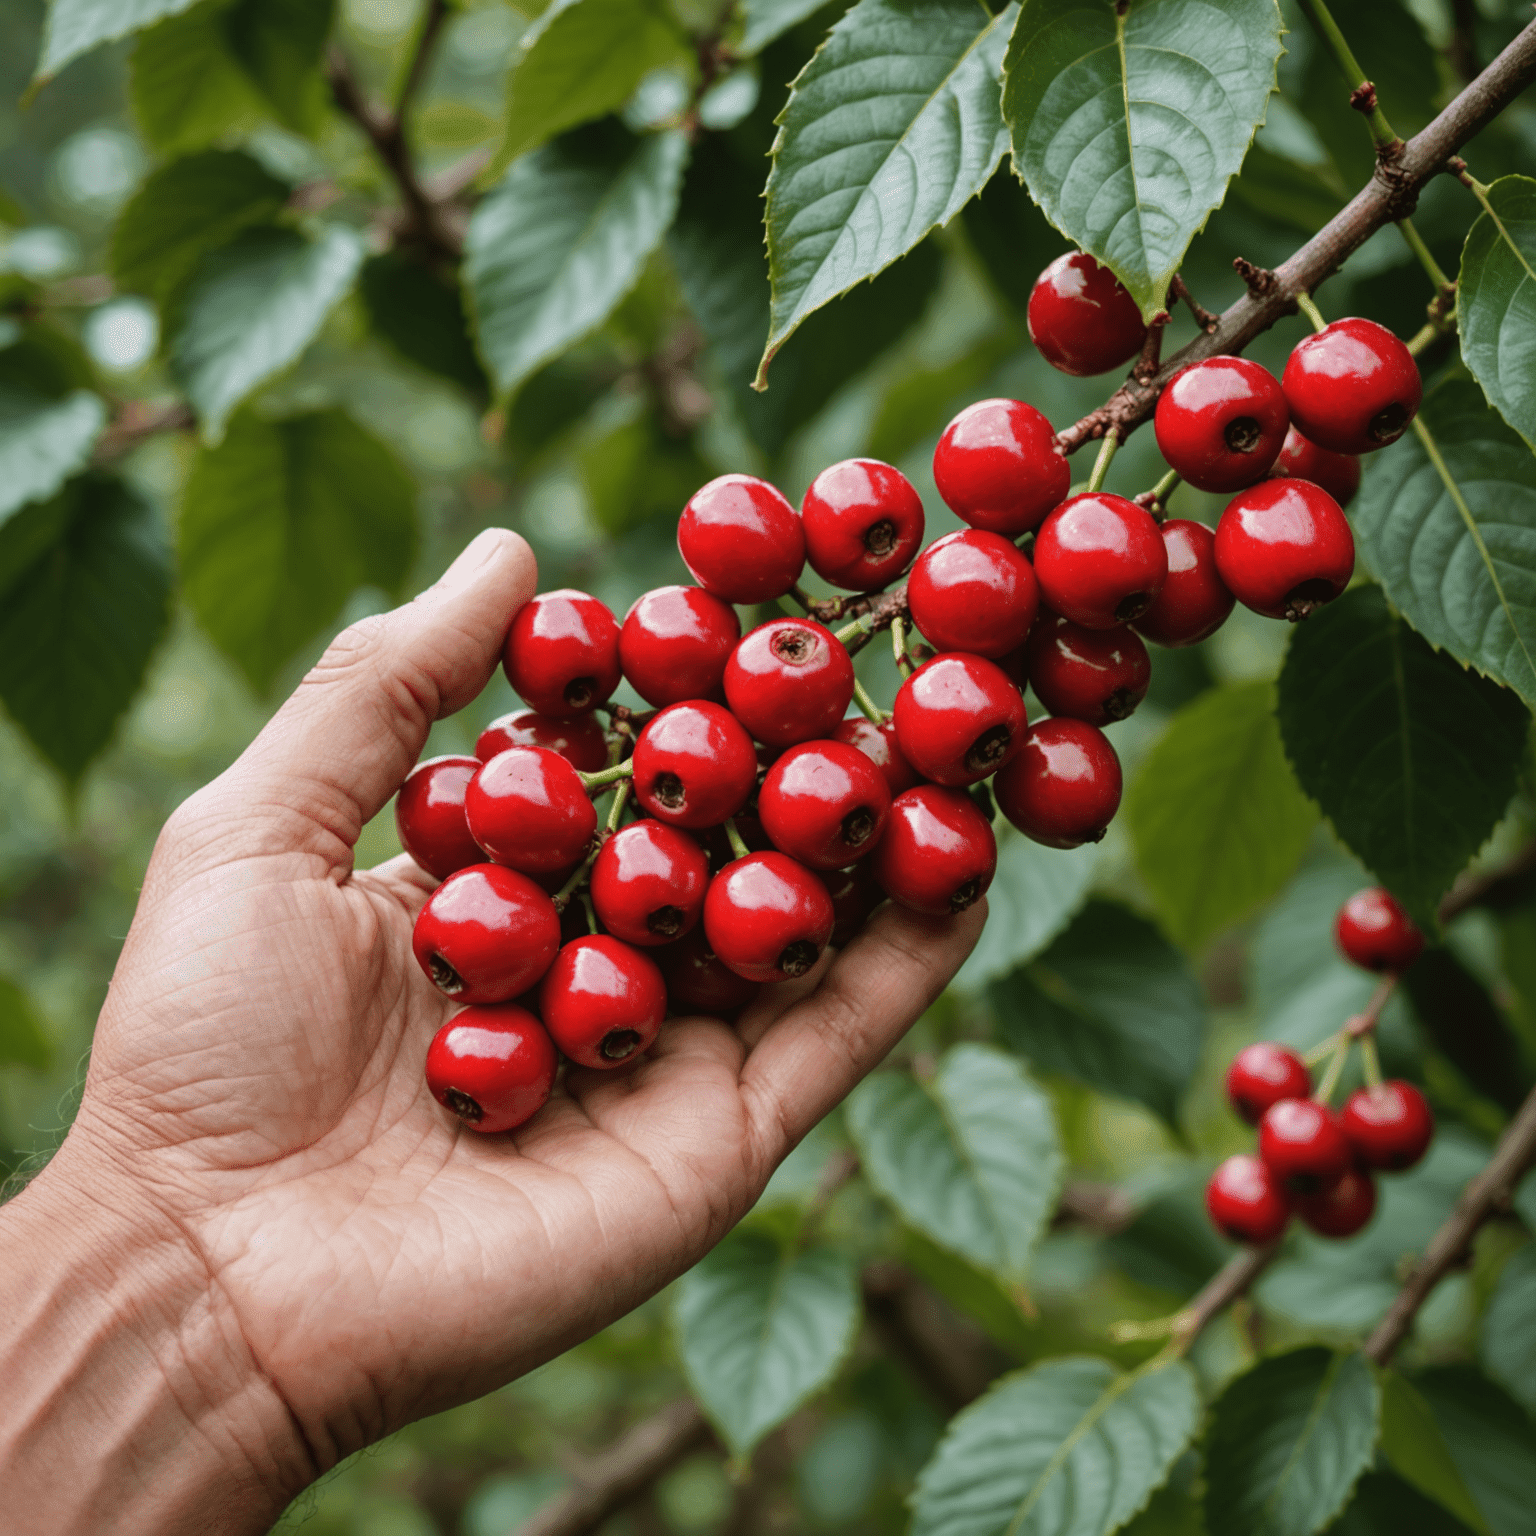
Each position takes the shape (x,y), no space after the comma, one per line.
(1314,1414)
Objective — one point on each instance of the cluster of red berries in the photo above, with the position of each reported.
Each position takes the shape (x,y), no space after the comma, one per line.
(1313,1161)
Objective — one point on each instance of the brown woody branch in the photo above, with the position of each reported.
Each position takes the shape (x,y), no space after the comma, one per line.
(137,420)
(1229,1283)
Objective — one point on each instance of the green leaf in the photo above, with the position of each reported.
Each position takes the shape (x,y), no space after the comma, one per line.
(1128,120)
(1385,1505)
(637,473)
(280,43)
(186,86)
(1411,757)
(888,132)
(1287,1442)
(1111,1003)
(1496,308)
(973,1291)
(562,238)
(1491,1442)
(24,1038)
(970,1159)
(1067,1448)
(1011,236)
(761,21)
(1413,1443)
(1508,1343)
(44,442)
(921,400)
(281,523)
(1215,813)
(77,26)
(421,317)
(762,1329)
(252,309)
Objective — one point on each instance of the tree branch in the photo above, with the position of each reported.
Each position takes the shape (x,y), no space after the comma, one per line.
(1230,1282)
(137,420)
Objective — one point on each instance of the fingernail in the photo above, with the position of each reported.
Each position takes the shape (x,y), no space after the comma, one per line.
(475,556)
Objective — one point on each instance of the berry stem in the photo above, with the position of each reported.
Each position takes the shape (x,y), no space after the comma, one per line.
(1156,500)
(737,841)
(872,711)
(1370,1061)
(1104,460)
(1363,1026)
(899,647)
(606,776)
(616,810)
(1415,242)
(562,897)
(591,911)
(1327,28)
(1311,311)
(801,596)
(1334,1071)
(1324,1048)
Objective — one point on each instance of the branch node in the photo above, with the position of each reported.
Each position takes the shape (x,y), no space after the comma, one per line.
(1363,98)
(1260,281)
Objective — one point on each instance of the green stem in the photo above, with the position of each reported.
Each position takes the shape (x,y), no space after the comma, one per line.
(872,711)
(606,776)
(738,843)
(863,625)
(616,810)
(801,596)
(1335,1070)
(1370,1061)
(899,647)
(1105,459)
(591,911)
(1311,311)
(1324,1048)
(579,874)
(1426,256)
(1327,28)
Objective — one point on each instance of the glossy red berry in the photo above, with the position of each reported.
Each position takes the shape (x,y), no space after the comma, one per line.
(1100,560)
(648,883)
(958,718)
(767,917)
(602,1001)
(1353,387)
(1246,1202)
(1220,423)
(938,854)
(1284,548)
(878,744)
(1337,473)
(1262,1074)
(699,981)
(528,810)
(1341,1207)
(694,765)
(580,741)
(1390,1126)
(429,815)
(998,467)
(973,591)
(675,643)
(486,934)
(1373,931)
(1097,675)
(492,1066)
(825,804)
(741,540)
(789,680)
(1063,788)
(562,653)
(1081,318)
(1194,602)
(863,524)
(1304,1144)
(855,894)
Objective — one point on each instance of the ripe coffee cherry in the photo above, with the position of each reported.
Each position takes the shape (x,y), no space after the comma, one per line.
(1081,319)
(1262,1074)
(1342,1207)
(958,718)
(698,981)
(789,680)
(825,804)
(855,894)
(997,467)
(1284,548)
(741,540)
(1221,422)
(528,810)
(863,523)
(1353,387)
(1063,788)
(938,854)
(767,917)
(1097,675)
(878,744)
(1390,1126)
(1246,1202)
(973,591)
(580,742)
(1337,473)
(429,815)
(1304,1144)
(486,934)
(602,1001)
(1194,602)
(1100,560)
(1373,931)
(694,765)
(562,653)
(493,1067)
(648,883)
(675,642)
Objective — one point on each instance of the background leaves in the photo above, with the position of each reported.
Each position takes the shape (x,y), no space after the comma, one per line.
(1496,302)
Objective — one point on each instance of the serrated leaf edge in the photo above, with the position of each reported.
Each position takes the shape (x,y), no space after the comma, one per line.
(1498,224)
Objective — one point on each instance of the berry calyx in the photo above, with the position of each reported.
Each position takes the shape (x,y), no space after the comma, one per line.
(675,643)
(1304,1144)
(958,718)
(1390,1126)
(789,680)
(1262,1074)
(741,540)
(1341,1207)
(698,981)
(1283,548)
(694,765)
(1220,423)
(429,815)
(767,917)
(825,804)
(938,854)
(1373,931)
(580,741)
(1063,788)
(878,744)
(1097,675)
(562,653)
(486,934)
(1337,473)
(1100,560)
(528,809)
(1353,387)
(602,1001)
(973,591)
(863,524)
(1194,602)
(1081,318)
(1246,1202)
(998,467)
(492,1066)
(648,883)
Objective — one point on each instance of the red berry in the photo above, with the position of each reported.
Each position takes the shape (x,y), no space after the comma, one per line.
(580,742)
(527,808)
(958,718)
(675,642)
(789,680)
(741,540)
(878,744)
(1390,1126)
(698,981)
(1221,422)
(997,467)
(767,917)
(855,894)
(1262,1074)
(863,523)
(1374,931)
(1097,675)
(1342,1207)
(562,653)
(938,854)
(1194,602)
(486,934)
(1081,319)
(493,1067)
(825,804)
(1284,548)
(1353,387)
(429,815)
(1246,1202)
(648,883)
(973,591)
(694,765)
(1063,788)
(1100,560)
(602,1001)
(1337,473)
(1304,1144)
